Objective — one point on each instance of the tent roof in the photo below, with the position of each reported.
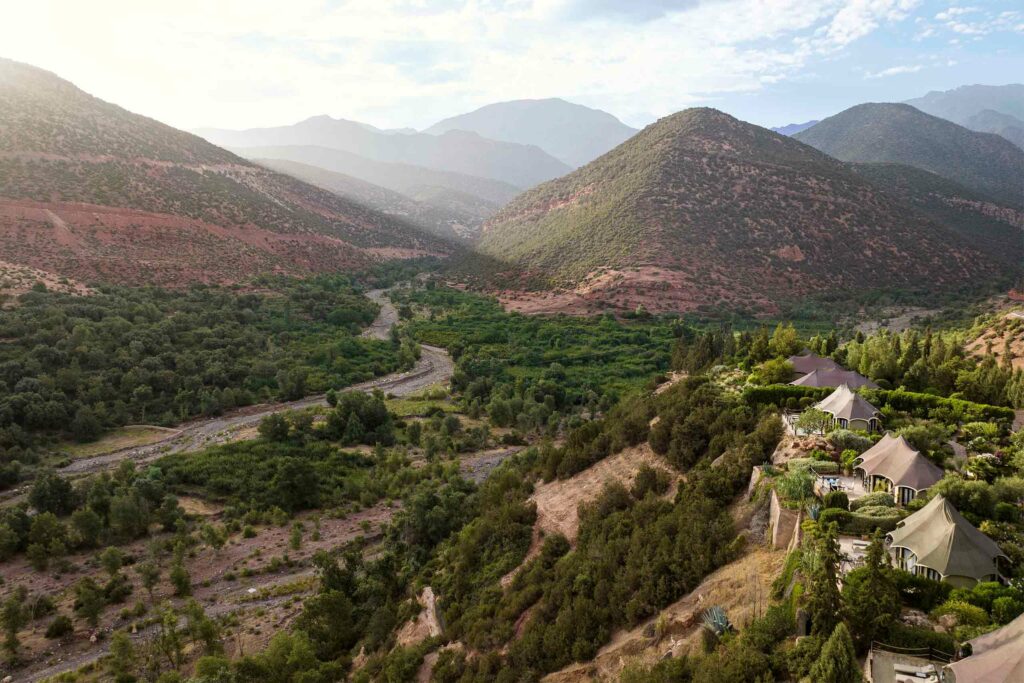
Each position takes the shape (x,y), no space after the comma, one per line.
(809,362)
(834,378)
(997,656)
(844,403)
(944,541)
(896,460)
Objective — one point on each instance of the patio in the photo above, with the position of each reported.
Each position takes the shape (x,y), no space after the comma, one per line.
(853,549)
(853,487)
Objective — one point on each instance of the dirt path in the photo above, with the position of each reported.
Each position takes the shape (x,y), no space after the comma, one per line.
(386,319)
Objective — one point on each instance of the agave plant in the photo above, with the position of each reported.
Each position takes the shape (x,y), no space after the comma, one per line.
(814,511)
(716,620)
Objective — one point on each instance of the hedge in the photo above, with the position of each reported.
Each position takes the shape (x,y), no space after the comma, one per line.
(873,499)
(813,464)
(916,404)
(854,524)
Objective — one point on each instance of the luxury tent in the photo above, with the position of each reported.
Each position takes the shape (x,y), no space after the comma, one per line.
(996,657)
(809,362)
(834,378)
(850,411)
(938,543)
(895,464)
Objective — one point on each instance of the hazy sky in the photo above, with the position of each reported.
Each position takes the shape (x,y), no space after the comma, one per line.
(397,63)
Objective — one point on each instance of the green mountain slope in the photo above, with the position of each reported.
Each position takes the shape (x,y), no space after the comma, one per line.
(994,229)
(714,210)
(901,134)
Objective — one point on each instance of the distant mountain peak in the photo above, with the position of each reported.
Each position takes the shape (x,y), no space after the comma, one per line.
(572,133)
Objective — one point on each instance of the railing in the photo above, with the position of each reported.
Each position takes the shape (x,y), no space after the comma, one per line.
(924,652)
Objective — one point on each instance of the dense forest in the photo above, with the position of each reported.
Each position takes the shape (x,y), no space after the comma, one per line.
(73,367)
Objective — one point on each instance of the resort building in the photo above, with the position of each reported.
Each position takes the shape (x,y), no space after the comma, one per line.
(895,466)
(809,362)
(996,657)
(938,543)
(850,411)
(834,378)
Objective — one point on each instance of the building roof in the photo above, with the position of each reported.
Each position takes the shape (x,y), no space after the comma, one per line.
(997,656)
(834,378)
(944,541)
(896,460)
(809,362)
(844,404)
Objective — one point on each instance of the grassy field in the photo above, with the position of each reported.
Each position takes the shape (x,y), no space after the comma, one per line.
(131,436)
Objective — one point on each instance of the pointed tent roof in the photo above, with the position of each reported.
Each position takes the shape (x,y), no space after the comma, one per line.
(844,404)
(834,378)
(896,460)
(944,541)
(809,362)
(997,656)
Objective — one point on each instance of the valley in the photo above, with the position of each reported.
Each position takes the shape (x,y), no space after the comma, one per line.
(524,393)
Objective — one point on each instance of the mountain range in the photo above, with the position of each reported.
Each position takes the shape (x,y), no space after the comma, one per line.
(794,128)
(899,133)
(92,191)
(995,109)
(572,133)
(701,209)
(456,151)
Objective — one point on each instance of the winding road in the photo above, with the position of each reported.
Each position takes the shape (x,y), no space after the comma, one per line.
(434,367)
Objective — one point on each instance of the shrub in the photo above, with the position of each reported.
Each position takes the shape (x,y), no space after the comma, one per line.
(59,627)
(873,500)
(818,466)
(836,499)
(920,592)
(901,635)
(1006,609)
(845,439)
(966,614)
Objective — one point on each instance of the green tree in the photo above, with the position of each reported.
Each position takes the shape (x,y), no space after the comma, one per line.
(86,527)
(14,617)
(149,575)
(89,601)
(121,661)
(52,493)
(814,421)
(178,575)
(112,560)
(823,600)
(274,427)
(837,662)
(871,596)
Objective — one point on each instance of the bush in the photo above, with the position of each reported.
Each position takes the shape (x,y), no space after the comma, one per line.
(845,439)
(836,499)
(881,511)
(901,635)
(818,466)
(920,592)
(966,614)
(1006,609)
(59,627)
(873,500)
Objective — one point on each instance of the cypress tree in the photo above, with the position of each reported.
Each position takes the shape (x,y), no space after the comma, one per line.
(837,662)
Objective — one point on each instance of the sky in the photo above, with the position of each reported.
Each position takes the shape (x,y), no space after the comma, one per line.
(410,63)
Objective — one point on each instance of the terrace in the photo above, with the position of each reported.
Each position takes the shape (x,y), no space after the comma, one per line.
(852,486)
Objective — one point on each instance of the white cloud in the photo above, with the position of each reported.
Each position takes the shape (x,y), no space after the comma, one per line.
(408,62)
(895,71)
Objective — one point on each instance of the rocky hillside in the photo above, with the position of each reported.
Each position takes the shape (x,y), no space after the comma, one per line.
(901,134)
(960,104)
(702,209)
(572,133)
(97,193)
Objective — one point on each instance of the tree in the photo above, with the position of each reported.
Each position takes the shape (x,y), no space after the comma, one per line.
(52,493)
(838,662)
(89,601)
(13,616)
(149,575)
(122,657)
(824,603)
(213,536)
(813,421)
(274,427)
(871,596)
(296,537)
(773,371)
(112,559)
(179,576)
(86,527)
